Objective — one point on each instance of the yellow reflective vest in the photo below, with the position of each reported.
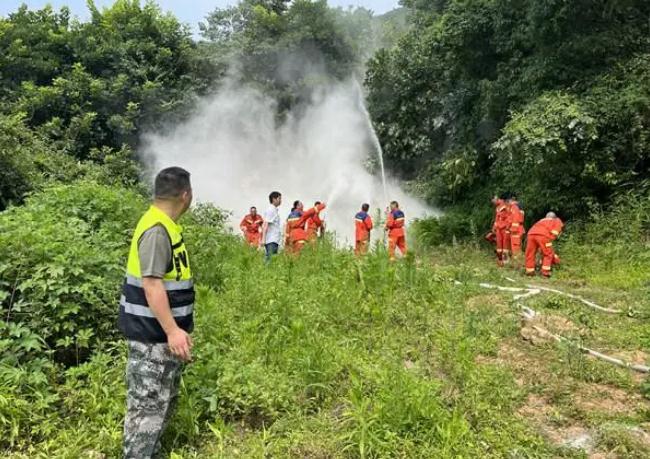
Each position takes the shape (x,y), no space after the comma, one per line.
(136,319)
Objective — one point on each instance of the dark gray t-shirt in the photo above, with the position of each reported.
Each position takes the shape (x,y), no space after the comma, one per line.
(154,252)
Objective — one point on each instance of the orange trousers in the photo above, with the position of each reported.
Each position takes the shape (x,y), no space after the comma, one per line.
(399,242)
(503,245)
(296,247)
(515,243)
(253,239)
(549,258)
(361,247)
(312,234)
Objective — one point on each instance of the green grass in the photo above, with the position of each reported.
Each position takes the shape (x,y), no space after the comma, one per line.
(329,356)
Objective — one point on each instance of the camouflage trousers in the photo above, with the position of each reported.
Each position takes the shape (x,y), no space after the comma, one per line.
(153,376)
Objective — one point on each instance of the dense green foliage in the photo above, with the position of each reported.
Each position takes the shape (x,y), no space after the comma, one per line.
(63,256)
(69,246)
(93,84)
(550,99)
(72,91)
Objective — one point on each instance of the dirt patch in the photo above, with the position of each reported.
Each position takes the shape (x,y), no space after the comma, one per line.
(527,368)
(641,435)
(536,408)
(602,456)
(539,330)
(608,399)
(539,412)
(637,358)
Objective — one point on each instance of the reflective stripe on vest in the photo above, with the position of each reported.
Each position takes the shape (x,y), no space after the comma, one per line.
(136,320)
(169,284)
(145,311)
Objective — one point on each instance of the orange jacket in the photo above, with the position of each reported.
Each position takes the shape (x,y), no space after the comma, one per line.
(314,223)
(395,223)
(362,226)
(501,216)
(295,230)
(547,227)
(516,220)
(250,224)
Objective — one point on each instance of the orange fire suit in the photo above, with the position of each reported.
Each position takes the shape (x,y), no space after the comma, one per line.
(251,227)
(396,234)
(314,227)
(541,237)
(500,227)
(295,233)
(516,228)
(362,227)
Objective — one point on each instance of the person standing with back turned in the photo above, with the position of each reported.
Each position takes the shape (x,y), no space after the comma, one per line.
(395,228)
(156,314)
(272,228)
(362,228)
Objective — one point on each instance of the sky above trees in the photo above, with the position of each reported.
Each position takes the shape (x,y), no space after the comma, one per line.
(191,15)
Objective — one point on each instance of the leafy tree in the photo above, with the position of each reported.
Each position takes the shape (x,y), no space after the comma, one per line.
(468,71)
(286,50)
(35,47)
(545,152)
(97,84)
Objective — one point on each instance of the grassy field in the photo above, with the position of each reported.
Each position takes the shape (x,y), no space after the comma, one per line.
(328,356)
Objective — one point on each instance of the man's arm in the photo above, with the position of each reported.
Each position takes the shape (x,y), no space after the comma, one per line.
(180,343)
(368,223)
(556,230)
(390,221)
(265,227)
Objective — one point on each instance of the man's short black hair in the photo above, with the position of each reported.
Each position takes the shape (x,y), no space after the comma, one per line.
(274,195)
(365,207)
(394,203)
(317,203)
(253,208)
(171,182)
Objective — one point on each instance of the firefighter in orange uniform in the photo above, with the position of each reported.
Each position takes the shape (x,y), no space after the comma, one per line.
(516,229)
(395,228)
(362,228)
(250,226)
(315,225)
(500,227)
(541,237)
(295,232)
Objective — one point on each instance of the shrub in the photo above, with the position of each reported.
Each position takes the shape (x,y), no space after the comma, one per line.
(450,227)
(63,258)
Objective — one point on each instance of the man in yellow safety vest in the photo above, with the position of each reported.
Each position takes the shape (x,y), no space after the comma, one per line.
(156,314)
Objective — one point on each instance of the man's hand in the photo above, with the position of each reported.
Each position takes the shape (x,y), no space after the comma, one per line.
(180,344)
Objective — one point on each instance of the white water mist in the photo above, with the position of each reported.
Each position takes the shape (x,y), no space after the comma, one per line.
(374,138)
(237,154)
